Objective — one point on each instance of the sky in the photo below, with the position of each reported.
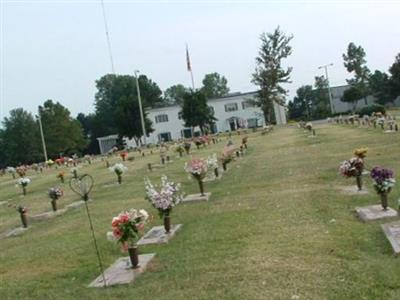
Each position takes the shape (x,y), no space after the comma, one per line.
(57,49)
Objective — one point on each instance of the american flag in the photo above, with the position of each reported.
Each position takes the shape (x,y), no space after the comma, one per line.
(189,67)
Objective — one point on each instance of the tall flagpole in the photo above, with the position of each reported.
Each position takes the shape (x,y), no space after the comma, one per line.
(189,66)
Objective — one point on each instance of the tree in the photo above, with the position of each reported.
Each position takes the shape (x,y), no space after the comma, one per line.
(354,61)
(196,112)
(269,74)
(63,134)
(88,124)
(128,120)
(214,85)
(174,94)
(20,139)
(300,107)
(352,95)
(321,106)
(112,92)
(379,84)
(394,71)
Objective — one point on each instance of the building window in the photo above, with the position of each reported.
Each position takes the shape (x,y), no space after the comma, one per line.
(164,137)
(231,107)
(161,118)
(252,123)
(247,104)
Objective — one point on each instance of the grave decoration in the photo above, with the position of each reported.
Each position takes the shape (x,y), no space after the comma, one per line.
(212,162)
(74,172)
(21,171)
(353,168)
(50,162)
(383,180)
(12,171)
(127,228)
(83,186)
(308,126)
(118,169)
(198,169)
(55,193)
(164,199)
(187,146)
(88,159)
(163,152)
(180,149)
(22,212)
(23,183)
(244,141)
(123,155)
(61,176)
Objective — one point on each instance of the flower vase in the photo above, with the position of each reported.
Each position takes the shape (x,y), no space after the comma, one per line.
(62,179)
(24,220)
(162,160)
(224,166)
(149,166)
(216,172)
(180,153)
(384,200)
(359,182)
(167,224)
(119,178)
(54,204)
(201,186)
(168,159)
(134,256)
(24,190)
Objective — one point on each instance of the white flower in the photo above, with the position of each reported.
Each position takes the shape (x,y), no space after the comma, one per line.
(11,170)
(144,213)
(118,168)
(24,181)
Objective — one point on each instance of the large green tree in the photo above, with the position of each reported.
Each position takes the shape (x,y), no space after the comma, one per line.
(269,74)
(196,112)
(394,71)
(300,108)
(355,62)
(320,103)
(113,94)
(20,139)
(379,85)
(174,94)
(352,95)
(214,85)
(63,134)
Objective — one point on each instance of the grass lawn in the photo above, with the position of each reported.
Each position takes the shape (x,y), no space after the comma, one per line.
(277,226)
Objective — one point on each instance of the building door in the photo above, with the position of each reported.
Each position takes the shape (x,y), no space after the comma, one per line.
(232,124)
(164,137)
(187,133)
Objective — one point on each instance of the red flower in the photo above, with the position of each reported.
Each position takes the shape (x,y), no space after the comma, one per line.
(115,222)
(117,232)
(124,218)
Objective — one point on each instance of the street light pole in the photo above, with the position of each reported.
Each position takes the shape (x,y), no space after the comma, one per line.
(140,107)
(329,86)
(42,135)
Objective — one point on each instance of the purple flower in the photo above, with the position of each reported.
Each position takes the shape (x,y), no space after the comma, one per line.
(380,174)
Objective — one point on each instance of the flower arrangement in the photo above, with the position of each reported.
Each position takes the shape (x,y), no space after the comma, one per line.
(50,162)
(55,193)
(308,126)
(12,171)
(353,168)
(24,182)
(123,155)
(198,169)
(187,146)
(361,152)
(164,199)
(74,172)
(22,211)
(118,169)
(383,179)
(127,228)
(21,171)
(212,162)
(180,149)
(60,176)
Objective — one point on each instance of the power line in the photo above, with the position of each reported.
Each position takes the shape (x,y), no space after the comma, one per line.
(108,37)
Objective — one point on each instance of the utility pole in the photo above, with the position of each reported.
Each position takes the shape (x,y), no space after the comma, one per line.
(42,135)
(140,106)
(329,86)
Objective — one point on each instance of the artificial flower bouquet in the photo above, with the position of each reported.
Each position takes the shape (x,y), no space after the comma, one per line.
(383,180)
(55,193)
(12,171)
(198,169)
(164,199)
(361,152)
(212,162)
(23,183)
(127,228)
(118,169)
(60,176)
(22,212)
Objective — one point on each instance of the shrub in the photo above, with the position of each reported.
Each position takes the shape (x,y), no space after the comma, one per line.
(368,110)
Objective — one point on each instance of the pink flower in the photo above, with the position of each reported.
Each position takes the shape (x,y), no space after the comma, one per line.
(115,222)
(124,218)
(117,232)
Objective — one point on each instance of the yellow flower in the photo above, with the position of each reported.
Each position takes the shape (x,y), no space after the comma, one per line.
(361,152)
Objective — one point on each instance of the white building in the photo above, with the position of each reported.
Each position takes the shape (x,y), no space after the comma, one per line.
(232,112)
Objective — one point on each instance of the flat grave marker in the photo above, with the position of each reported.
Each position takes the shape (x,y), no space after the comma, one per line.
(197,197)
(392,232)
(157,235)
(375,212)
(121,272)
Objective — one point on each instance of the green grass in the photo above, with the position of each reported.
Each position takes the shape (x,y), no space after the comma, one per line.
(267,232)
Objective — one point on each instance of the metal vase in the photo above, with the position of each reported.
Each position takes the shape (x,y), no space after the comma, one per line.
(216,173)
(119,179)
(384,200)
(201,186)
(167,224)
(224,166)
(24,220)
(134,256)
(54,204)
(359,182)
